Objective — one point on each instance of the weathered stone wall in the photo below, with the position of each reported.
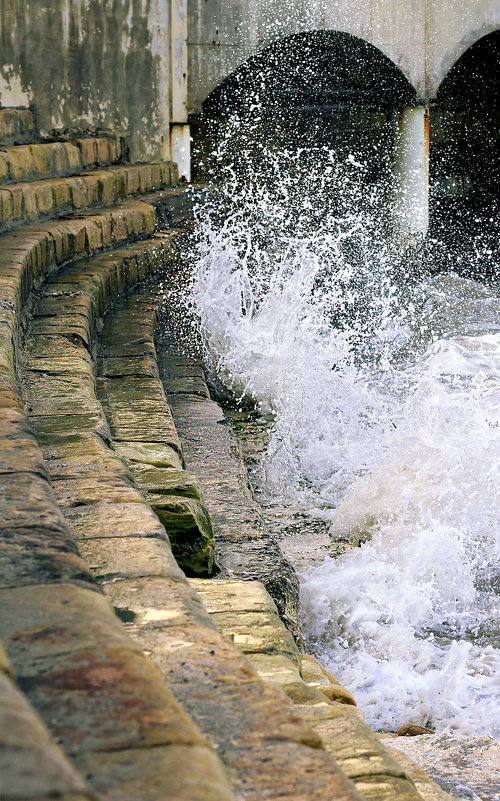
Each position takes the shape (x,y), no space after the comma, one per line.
(89,64)
(422,37)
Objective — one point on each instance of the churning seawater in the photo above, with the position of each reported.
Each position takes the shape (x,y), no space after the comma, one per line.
(378,374)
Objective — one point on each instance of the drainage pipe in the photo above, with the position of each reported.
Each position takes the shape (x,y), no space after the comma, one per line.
(411,175)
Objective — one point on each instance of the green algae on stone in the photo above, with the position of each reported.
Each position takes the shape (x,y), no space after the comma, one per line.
(149,453)
(167,481)
(190,531)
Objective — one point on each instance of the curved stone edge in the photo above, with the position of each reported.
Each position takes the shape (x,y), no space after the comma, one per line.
(51,159)
(266,642)
(22,203)
(71,657)
(252,726)
(244,548)
(244,611)
(26,257)
(246,614)
(128,379)
(32,766)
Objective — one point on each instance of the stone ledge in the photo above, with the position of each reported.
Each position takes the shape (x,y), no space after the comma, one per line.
(137,412)
(56,197)
(246,614)
(175,773)
(151,593)
(244,548)
(288,759)
(32,766)
(93,686)
(52,159)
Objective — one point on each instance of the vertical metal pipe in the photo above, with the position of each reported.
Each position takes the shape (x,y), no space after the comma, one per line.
(411,174)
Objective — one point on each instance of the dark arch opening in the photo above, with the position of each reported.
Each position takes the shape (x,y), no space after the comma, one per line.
(473,82)
(309,91)
(328,69)
(465,152)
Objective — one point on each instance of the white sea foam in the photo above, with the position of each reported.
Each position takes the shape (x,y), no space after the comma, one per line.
(386,400)
(410,619)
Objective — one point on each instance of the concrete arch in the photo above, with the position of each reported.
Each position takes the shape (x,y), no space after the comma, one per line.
(452,57)
(423,38)
(322,68)
(473,78)
(222,36)
(455,27)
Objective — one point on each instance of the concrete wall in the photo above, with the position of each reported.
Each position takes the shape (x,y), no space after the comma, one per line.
(422,37)
(91,64)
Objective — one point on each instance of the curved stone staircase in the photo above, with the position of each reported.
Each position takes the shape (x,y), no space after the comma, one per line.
(121,678)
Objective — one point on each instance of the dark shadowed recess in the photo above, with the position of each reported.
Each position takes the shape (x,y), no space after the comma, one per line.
(308,91)
(465,158)
(474,80)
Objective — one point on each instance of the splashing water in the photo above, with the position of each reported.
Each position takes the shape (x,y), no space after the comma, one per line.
(384,390)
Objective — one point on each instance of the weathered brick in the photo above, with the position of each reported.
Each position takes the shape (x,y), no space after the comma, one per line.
(4,168)
(21,163)
(44,197)
(87,148)
(6,205)
(102,150)
(92,189)
(78,192)
(190,773)
(62,194)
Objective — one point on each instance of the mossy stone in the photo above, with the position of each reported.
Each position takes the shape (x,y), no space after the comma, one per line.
(190,531)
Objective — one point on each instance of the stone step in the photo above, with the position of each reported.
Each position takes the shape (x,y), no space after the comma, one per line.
(55,159)
(250,724)
(49,592)
(55,197)
(32,766)
(101,699)
(134,403)
(72,302)
(28,254)
(17,126)
(244,547)
(245,613)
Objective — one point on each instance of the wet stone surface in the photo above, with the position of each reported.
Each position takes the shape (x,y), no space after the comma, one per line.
(466,766)
(244,547)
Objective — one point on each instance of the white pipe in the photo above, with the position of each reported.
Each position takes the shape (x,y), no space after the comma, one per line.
(411,174)
(180,149)
(180,138)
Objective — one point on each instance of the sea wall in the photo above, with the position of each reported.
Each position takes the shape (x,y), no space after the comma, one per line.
(82,64)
